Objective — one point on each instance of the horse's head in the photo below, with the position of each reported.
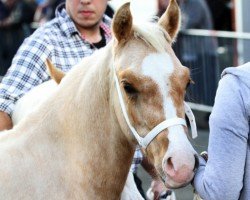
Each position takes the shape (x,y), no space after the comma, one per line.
(151,85)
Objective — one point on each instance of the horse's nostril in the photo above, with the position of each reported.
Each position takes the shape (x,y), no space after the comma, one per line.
(170,163)
(169,167)
(196,163)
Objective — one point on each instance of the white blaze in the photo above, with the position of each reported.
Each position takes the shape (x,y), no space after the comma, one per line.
(159,67)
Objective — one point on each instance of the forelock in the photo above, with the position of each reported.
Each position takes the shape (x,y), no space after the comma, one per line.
(152,34)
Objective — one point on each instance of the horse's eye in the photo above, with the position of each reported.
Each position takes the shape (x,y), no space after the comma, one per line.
(129,89)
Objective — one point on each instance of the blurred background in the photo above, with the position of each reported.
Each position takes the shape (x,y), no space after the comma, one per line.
(214,35)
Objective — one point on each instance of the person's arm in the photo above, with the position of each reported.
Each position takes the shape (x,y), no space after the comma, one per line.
(222,176)
(13,19)
(27,70)
(5,121)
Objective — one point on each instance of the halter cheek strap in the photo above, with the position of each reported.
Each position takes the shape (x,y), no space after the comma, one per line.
(144,141)
(191,119)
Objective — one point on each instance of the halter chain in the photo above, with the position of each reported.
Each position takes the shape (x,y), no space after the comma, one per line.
(145,141)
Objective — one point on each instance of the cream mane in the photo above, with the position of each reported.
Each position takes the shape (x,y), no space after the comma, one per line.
(148,31)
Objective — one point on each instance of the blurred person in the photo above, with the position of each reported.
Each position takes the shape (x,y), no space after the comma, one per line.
(199,53)
(3,11)
(46,10)
(226,174)
(15,17)
(195,13)
(16,12)
(221,11)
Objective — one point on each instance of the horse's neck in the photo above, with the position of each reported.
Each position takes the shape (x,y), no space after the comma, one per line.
(106,148)
(83,123)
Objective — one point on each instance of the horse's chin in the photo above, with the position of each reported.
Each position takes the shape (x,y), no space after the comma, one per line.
(171,184)
(175,185)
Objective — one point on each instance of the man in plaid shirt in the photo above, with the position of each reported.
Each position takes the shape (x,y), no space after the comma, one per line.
(78,29)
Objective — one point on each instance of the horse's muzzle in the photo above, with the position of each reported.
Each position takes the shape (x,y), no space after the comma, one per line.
(178,173)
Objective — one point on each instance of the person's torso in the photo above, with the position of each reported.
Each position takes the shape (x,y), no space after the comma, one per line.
(65,44)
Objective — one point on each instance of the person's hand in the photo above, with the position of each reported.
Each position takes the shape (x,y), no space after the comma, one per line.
(5,121)
(157,187)
(158,191)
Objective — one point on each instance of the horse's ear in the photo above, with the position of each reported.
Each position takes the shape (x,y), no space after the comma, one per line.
(122,23)
(170,20)
(55,73)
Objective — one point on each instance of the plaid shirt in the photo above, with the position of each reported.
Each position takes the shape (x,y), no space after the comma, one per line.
(137,159)
(58,40)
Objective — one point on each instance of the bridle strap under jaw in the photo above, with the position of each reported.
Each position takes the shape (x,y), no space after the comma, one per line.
(144,141)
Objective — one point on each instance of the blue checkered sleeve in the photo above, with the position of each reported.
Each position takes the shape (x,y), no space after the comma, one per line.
(27,70)
(137,159)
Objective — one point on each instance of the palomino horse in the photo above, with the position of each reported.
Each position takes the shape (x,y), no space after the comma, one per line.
(79,143)
(40,93)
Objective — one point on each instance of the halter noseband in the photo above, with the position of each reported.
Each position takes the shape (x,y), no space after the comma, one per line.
(144,141)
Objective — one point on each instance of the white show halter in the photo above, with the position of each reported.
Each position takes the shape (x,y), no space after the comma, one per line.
(144,141)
